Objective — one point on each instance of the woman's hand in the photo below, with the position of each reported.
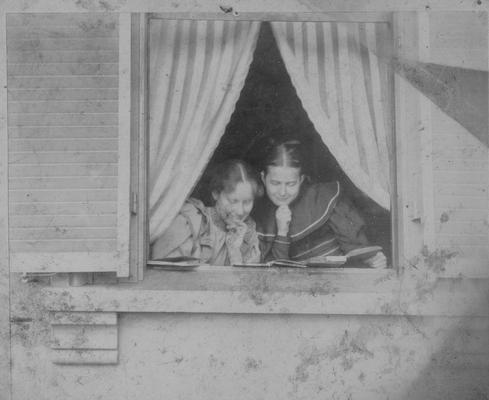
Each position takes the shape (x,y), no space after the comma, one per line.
(378,261)
(236,230)
(234,239)
(283,216)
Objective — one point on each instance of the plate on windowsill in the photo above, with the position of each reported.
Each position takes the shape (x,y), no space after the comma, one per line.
(175,263)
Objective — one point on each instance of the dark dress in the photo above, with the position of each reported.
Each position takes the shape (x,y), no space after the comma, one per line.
(323,223)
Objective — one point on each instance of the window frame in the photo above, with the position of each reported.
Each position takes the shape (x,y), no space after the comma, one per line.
(140,29)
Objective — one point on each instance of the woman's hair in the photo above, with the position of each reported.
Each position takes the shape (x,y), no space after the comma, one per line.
(283,153)
(225,176)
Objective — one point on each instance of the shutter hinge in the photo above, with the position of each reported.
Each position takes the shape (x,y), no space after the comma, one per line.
(134,203)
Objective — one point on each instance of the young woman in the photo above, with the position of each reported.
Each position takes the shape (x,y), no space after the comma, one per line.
(223,234)
(297,220)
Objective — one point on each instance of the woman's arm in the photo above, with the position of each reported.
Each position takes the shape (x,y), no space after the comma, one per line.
(349,228)
(182,236)
(278,249)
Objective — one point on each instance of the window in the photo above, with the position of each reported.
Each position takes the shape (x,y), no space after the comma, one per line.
(325,82)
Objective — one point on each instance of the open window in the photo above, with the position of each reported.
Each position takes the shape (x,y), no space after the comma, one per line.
(217,89)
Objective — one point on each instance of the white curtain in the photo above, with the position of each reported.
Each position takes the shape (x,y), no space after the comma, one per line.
(344,90)
(197,70)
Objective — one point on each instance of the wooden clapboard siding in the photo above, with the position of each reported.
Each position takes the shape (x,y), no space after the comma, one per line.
(460,160)
(459,39)
(460,191)
(63,103)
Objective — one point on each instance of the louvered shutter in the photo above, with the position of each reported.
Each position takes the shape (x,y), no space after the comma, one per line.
(68,143)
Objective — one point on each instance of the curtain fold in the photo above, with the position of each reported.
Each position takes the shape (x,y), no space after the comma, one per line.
(196,72)
(344,90)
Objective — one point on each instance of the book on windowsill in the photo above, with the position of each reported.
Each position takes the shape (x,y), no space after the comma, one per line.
(356,255)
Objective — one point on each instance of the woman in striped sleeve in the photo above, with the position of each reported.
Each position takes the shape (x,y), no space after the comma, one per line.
(298,220)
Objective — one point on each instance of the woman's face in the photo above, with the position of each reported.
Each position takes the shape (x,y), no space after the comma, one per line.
(235,205)
(282,184)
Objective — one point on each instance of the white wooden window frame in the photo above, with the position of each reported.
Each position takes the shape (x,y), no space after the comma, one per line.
(370,17)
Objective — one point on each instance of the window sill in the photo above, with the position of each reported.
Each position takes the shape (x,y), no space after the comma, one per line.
(239,290)
(277,291)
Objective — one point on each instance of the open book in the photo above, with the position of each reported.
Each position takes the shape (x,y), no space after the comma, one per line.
(355,255)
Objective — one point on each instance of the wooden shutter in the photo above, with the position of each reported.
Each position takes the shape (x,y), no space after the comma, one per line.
(68,78)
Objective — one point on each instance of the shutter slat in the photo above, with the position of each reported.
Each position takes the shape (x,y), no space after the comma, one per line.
(62,157)
(61,233)
(19,196)
(62,69)
(81,81)
(63,145)
(65,56)
(41,221)
(64,107)
(71,132)
(66,170)
(59,94)
(33,44)
(88,22)
(87,208)
(49,31)
(52,247)
(63,183)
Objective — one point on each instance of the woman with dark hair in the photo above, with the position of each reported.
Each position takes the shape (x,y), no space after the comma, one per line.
(223,234)
(299,220)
